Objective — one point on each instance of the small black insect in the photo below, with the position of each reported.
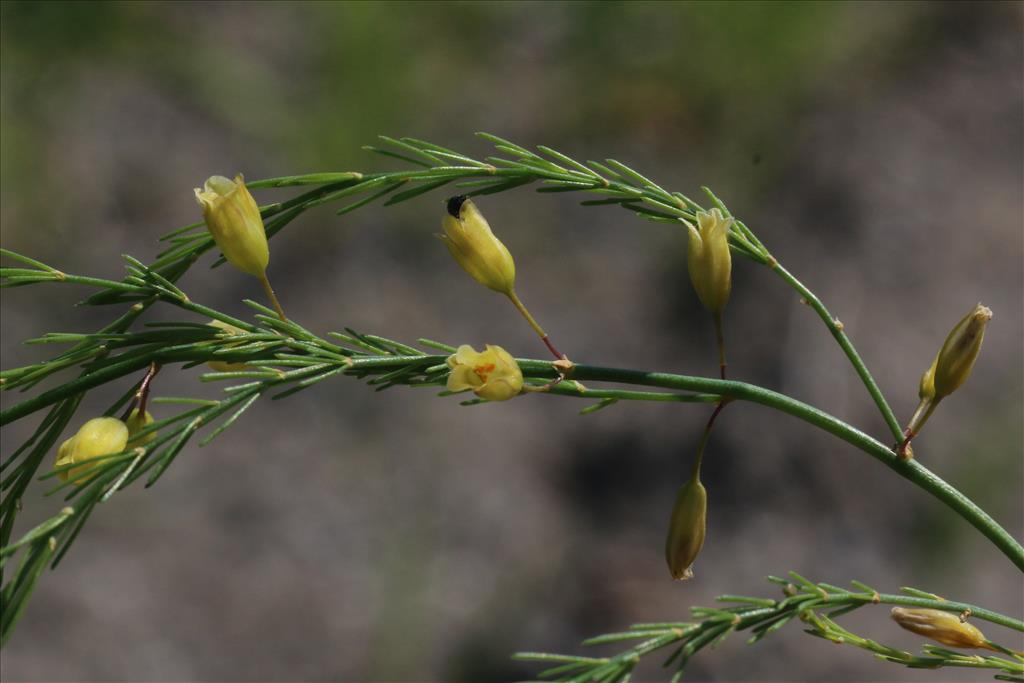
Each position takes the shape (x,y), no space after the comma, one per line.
(455,204)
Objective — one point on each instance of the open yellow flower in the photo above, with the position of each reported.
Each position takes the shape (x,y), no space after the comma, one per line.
(492,374)
(99,436)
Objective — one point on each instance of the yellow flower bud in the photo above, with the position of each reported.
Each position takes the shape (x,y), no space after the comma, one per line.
(709,259)
(225,366)
(236,225)
(470,240)
(953,365)
(492,374)
(942,627)
(99,436)
(686,529)
(136,423)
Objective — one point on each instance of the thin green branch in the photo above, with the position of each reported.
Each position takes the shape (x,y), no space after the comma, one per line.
(836,328)
(815,605)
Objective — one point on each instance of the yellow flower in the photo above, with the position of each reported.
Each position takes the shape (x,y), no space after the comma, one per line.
(470,240)
(953,365)
(236,225)
(225,366)
(686,529)
(492,374)
(136,423)
(709,260)
(942,627)
(99,436)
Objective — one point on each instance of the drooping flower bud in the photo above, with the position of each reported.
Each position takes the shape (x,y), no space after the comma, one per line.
(99,436)
(225,366)
(953,365)
(686,529)
(136,423)
(234,220)
(473,245)
(492,374)
(942,627)
(709,260)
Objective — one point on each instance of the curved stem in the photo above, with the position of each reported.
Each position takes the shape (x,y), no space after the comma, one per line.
(273,297)
(910,470)
(835,327)
(514,298)
(695,474)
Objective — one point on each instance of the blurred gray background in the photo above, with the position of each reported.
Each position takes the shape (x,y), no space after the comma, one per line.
(876,148)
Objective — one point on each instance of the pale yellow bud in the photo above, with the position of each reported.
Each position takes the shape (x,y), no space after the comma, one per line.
(709,260)
(471,242)
(926,390)
(492,374)
(99,436)
(953,365)
(686,529)
(136,423)
(942,627)
(225,366)
(234,220)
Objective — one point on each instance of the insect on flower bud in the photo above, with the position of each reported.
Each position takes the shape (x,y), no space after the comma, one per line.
(136,423)
(709,260)
(953,365)
(471,242)
(97,437)
(492,374)
(942,627)
(236,225)
(686,529)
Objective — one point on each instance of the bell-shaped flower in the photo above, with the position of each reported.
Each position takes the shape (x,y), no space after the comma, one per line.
(492,374)
(709,260)
(234,220)
(686,529)
(473,245)
(97,437)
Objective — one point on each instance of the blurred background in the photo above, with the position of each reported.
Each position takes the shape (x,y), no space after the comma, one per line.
(876,149)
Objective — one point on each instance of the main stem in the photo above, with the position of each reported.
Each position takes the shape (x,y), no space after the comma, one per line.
(911,470)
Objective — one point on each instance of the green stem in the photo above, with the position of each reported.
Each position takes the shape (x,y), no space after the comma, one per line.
(695,474)
(911,470)
(835,327)
(720,341)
